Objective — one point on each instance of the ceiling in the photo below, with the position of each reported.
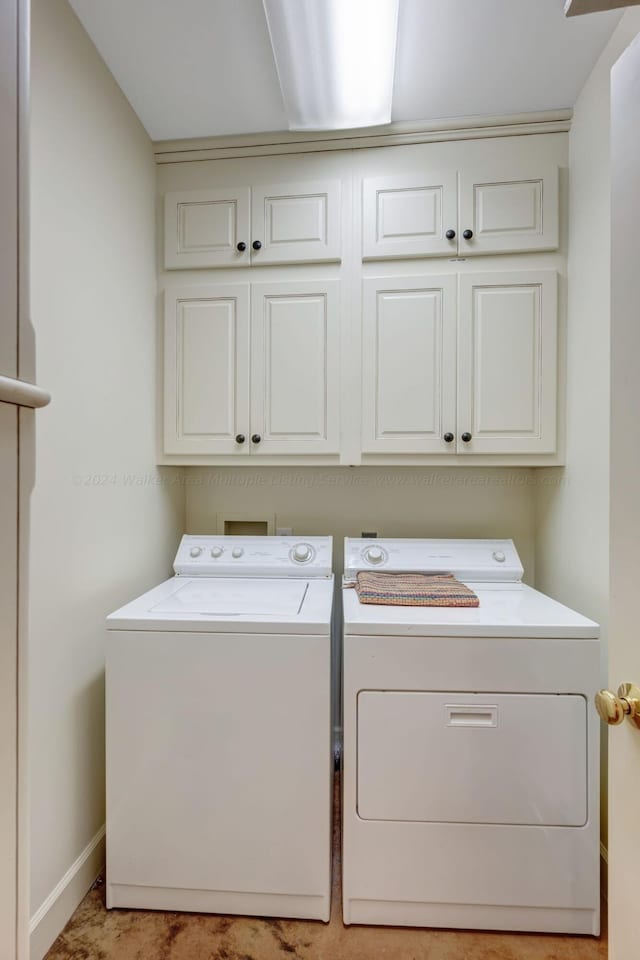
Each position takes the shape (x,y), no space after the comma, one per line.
(195,68)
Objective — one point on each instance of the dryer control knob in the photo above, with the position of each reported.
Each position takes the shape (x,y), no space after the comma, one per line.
(216,551)
(302,552)
(237,552)
(499,556)
(195,551)
(374,555)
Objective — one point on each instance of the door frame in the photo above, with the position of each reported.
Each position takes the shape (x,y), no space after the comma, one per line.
(19,398)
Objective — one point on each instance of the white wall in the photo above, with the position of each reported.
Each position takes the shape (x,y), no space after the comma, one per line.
(97,539)
(572,517)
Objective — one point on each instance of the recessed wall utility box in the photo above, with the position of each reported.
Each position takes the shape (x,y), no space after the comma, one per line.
(245,525)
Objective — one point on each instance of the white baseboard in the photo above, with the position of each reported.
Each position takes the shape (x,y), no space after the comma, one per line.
(50,918)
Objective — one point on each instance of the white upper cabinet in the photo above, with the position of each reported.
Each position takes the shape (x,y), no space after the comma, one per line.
(409,215)
(489,389)
(409,365)
(508,210)
(241,226)
(206,228)
(507,343)
(206,374)
(355,344)
(295,368)
(472,208)
(296,222)
(252,369)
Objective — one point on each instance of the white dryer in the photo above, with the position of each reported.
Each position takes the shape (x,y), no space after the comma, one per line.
(219,755)
(471,749)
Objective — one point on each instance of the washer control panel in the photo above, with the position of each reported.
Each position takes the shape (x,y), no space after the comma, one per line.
(474,560)
(210,556)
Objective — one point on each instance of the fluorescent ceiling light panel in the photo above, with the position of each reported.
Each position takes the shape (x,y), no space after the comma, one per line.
(335,60)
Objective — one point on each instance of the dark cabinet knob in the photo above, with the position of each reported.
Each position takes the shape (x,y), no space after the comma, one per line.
(256,438)
(240,438)
(450,234)
(467,234)
(257,245)
(448,438)
(466,437)
(241,246)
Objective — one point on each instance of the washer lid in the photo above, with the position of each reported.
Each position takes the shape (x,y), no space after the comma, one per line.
(231,605)
(483,561)
(234,598)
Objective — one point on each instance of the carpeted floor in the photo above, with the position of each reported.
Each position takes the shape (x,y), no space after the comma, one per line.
(93,933)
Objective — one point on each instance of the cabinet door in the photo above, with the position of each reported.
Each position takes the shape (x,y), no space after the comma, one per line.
(206,379)
(409,364)
(510,208)
(295,367)
(507,342)
(296,222)
(202,228)
(409,215)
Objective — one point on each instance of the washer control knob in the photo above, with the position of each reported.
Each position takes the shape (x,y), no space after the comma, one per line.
(499,556)
(195,551)
(302,552)
(374,555)
(237,552)
(216,551)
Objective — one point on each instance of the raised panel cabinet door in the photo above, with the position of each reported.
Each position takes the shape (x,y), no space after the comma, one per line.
(295,368)
(507,364)
(509,208)
(206,228)
(409,365)
(296,222)
(206,374)
(409,215)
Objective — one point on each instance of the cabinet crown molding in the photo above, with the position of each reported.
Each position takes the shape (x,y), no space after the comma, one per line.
(269,144)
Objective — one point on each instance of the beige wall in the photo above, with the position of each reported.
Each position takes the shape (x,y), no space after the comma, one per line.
(394,501)
(572,517)
(97,538)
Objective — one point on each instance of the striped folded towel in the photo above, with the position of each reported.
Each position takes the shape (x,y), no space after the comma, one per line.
(414,590)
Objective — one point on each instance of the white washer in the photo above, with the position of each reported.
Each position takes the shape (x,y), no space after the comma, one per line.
(471,750)
(219,755)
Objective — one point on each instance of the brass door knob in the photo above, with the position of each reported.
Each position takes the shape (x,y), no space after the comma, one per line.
(613,710)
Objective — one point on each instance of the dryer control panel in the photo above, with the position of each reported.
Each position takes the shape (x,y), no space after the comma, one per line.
(479,561)
(212,556)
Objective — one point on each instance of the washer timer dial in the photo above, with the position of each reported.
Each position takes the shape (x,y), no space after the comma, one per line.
(374,555)
(302,553)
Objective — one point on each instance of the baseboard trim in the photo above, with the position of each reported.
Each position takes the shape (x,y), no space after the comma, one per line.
(50,918)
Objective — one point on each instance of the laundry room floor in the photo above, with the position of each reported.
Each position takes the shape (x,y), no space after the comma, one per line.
(93,933)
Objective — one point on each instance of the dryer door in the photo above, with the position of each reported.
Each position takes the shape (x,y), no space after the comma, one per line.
(472,758)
